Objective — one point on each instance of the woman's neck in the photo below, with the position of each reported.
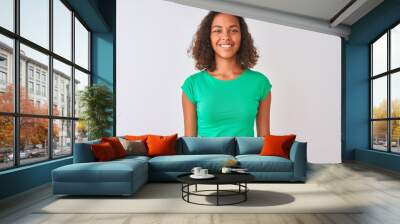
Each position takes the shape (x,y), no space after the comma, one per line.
(227,68)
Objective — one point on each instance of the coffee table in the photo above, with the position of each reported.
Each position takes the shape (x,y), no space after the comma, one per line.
(238,179)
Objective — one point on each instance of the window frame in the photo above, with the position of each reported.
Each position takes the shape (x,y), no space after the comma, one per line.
(388,74)
(16,115)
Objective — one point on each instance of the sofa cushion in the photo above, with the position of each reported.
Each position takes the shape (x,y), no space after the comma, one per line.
(111,171)
(249,145)
(207,145)
(133,158)
(275,145)
(257,163)
(134,147)
(185,163)
(159,145)
(103,152)
(116,145)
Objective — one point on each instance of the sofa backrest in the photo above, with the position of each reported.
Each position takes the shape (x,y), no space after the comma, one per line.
(206,145)
(83,152)
(249,145)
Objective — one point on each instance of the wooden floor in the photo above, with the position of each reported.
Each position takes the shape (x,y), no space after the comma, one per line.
(378,188)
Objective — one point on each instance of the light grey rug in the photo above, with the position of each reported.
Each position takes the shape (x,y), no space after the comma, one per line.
(166,198)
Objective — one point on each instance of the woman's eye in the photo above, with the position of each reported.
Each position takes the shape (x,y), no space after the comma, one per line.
(235,31)
(217,31)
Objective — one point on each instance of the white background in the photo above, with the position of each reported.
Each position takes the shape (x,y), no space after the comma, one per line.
(304,68)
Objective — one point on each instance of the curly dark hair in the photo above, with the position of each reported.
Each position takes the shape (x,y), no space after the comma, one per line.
(203,53)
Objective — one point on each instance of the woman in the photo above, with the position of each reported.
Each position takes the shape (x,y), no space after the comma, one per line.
(225,97)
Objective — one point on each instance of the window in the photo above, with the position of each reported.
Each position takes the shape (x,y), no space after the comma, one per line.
(30,72)
(7,14)
(37,89)
(62,29)
(30,87)
(3,72)
(37,75)
(43,77)
(6,73)
(44,131)
(62,75)
(385,91)
(3,78)
(35,21)
(44,91)
(3,61)
(81,45)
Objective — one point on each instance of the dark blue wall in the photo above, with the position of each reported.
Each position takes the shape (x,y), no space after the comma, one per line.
(99,15)
(356,82)
(24,178)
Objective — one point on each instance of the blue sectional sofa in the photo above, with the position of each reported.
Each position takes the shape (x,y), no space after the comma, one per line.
(125,176)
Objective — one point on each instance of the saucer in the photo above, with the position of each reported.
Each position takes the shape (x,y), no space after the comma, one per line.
(208,176)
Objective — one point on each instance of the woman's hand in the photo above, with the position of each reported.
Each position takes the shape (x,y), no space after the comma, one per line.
(263,116)
(190,116)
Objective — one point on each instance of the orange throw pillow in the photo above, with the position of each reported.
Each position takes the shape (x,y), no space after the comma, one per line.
(135,138)
(161,145)
(277,145)
(103,152)
(116,145)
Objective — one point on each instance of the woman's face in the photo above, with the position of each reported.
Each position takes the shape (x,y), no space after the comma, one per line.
(225,35)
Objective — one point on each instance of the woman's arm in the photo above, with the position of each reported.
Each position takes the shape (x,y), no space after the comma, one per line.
(263,127)
(190,116)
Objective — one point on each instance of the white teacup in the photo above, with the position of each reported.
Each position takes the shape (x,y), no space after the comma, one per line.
(226,170)
(203,172)
(196,170)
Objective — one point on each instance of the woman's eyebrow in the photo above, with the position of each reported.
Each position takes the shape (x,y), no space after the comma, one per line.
(218,26)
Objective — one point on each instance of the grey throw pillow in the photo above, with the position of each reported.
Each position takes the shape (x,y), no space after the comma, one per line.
(137,147)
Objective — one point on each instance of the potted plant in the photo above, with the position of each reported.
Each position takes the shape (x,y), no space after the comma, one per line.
(96,102)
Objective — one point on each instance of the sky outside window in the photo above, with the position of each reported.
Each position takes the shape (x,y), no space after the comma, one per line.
(35,21)
(81,45)
(395,47)
(379,55)
(62,29)
(7,14)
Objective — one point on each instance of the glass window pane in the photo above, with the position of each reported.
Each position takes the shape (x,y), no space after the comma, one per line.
(379,100)
(6,142)
(81,45)
(33,139)
(62,89)
(379,135)
(395,94)
(62,29)
(35,21)
(7,14)
(62,138)
(395,136)
(34,79)
(6,74)
(81,131)
(379,55)
(395,47)
(81,81)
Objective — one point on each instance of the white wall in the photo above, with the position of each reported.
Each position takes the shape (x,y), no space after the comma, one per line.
(304,68)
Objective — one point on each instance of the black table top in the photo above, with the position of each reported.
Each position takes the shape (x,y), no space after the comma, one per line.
(220,178)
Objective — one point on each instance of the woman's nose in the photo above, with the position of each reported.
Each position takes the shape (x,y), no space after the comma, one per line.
(225,36)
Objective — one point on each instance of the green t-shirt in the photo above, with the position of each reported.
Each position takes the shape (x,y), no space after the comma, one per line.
(226,107)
